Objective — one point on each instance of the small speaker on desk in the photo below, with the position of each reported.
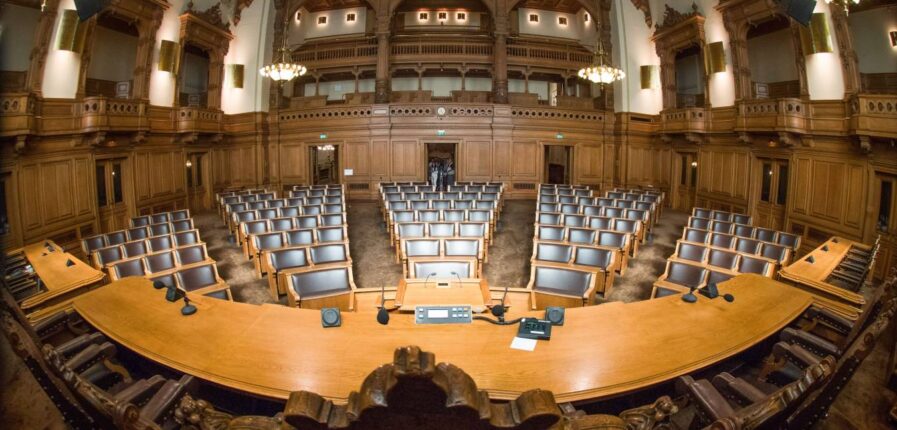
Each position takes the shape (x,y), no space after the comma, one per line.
(555,315)
(330,317)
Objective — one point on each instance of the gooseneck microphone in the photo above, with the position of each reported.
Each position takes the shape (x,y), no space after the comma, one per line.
(383,314)
(428,278)
(499,310)
(459,278)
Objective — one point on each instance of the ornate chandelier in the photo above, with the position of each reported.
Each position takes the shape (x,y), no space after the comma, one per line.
(326,148)
(284,69)
(601,72)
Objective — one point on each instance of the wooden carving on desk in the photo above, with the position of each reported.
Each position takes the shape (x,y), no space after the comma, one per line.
(415,392)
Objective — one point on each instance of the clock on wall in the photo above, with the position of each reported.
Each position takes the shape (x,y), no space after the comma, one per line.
(440,111)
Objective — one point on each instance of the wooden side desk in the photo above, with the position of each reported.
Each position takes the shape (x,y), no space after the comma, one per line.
(601,351)
(812,277)
(63,277)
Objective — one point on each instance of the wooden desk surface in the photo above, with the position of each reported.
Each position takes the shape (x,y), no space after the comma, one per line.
(56,276)
(601,351)
(814,275)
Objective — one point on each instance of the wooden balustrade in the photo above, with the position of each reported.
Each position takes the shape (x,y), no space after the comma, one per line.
(685,120)
(783,114)
(874,115)
(103,113)
(198,120)
(16,114)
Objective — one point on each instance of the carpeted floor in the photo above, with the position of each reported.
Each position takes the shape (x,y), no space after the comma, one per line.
(863,404)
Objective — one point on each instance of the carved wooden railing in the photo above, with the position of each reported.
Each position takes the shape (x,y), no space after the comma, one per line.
(16,114)
(102,113)
(198,120)
(874,115)
(410,49)
(685,120)
(783,114)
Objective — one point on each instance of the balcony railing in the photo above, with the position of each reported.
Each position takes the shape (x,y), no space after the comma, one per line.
(874,115)
(16,114)
(411,49)
(102,113)
(685,120)
(783,114)
(198,120)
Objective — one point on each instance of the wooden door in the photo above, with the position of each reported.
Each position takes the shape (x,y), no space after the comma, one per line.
(687,185)
(198,194)
(770,211)
(113,210)
(885,223)
(558,162)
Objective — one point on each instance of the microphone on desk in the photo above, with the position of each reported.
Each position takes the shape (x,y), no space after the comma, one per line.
(459,278)
(428,279)
(499,310)
(188,308)
(383,314)
(690,296)
(158,285)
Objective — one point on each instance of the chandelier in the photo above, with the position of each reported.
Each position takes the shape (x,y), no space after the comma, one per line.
(284,69)
(601,71)
(326,148)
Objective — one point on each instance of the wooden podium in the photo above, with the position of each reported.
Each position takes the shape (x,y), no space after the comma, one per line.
(443,291)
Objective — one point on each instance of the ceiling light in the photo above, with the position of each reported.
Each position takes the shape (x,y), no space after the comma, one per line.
(283,69)
(601,71)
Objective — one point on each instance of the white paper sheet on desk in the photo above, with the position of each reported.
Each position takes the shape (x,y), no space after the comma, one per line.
(523,344)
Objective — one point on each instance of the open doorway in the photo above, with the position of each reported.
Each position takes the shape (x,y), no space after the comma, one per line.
(558,163)
(441,167)
(324,164)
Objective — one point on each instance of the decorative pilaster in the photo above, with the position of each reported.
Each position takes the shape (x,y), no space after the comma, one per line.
(381,84)
(38,60)
(500,61)
(849,62)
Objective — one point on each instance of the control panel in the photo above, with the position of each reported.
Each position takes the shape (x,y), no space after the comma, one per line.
(532,328)
(448,314)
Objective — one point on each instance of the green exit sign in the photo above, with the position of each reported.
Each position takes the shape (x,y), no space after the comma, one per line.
(440,132)
(559,136)
(323,135)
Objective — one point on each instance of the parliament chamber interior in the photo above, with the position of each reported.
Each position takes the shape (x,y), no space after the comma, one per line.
(448,214)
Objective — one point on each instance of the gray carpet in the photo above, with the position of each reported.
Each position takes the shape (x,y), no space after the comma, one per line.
(863,404)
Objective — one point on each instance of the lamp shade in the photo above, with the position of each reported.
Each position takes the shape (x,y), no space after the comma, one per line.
(169,56)
(71,32)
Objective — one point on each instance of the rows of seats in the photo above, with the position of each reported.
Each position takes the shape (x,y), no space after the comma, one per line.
(633,227)
(303,233)
(583,201)
(423,223)
(248,195)
(575,256)
(442,249)
(165,247)
(855,269)
(718,245)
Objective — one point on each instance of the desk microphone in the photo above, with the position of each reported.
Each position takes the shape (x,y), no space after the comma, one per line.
(499,310)
(690,297)
(383,314)
(459,278)
(158,285)
(728,297)
(428,278)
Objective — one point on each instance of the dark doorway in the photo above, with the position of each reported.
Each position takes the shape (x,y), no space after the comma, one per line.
(558,163)
(442,169)
(324,164)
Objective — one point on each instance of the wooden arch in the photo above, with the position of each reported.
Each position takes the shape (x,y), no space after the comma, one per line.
(677,32)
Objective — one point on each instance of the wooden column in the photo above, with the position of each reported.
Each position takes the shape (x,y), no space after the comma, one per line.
(849,62)
(500,60)
(381,85)
(40,50)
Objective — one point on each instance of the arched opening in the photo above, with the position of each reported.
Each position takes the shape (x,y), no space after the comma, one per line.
(873,28)
(772,76)
(112,60)
(690,77)
(194,77)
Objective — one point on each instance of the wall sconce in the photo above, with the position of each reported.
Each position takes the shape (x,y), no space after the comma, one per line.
(350,17)
(649,75)
(70,34)
(585,17)
(715,57)
(893,36)
(442,16)
(188,164)
(423,16)
(169,56)
(694,164)
(298,16)
(534,18)
(562,20)
(235,75)
(322,20)
(816,38)
(461,16)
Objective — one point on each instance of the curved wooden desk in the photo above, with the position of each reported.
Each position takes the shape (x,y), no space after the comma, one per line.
(601,351)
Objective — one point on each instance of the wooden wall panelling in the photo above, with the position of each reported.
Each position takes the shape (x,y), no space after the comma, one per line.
(829,192)
(293,163)
(407,160)
(475,163)
(526,162)
(501,150)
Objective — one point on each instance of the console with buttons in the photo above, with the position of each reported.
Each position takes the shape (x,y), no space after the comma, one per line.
(448,314)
